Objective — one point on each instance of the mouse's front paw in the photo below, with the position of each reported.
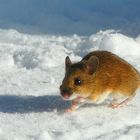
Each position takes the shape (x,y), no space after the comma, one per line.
(69,110)
(72,108)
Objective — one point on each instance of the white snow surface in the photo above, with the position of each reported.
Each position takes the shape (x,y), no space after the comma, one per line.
(31,71)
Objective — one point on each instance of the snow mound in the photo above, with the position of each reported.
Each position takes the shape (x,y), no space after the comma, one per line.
(31,70)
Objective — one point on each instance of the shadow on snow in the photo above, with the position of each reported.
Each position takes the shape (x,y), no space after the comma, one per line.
(28,104)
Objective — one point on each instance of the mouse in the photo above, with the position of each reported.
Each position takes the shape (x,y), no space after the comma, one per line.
(98,76)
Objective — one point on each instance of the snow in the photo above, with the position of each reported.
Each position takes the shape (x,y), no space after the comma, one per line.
(31,71)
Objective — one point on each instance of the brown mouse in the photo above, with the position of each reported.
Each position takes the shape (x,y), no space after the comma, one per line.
(100,74)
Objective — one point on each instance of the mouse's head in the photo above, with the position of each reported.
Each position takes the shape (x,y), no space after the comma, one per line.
(79,78)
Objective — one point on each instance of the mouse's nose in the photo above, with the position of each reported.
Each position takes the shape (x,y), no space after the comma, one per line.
(65,92)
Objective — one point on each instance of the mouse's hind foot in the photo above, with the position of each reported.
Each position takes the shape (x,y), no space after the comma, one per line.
(121,104)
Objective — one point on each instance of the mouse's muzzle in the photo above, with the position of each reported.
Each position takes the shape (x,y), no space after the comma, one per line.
(65,92)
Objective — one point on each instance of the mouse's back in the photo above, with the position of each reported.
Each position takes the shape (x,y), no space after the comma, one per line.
(114,73)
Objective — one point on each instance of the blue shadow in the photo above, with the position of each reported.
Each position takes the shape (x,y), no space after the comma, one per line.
(29,104)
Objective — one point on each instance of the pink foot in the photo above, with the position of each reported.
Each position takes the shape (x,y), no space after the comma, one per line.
(115,105)
(118,105)
(71,109)
(75,104)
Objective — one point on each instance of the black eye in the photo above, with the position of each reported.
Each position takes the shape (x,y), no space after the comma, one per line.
(77,81)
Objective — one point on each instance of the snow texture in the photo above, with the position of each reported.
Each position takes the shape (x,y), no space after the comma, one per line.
(31,71)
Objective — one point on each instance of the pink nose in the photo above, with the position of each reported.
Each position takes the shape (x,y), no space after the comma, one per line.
(66,95)
(65,92)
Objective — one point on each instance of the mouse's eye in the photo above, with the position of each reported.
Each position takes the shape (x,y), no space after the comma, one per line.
(77,81)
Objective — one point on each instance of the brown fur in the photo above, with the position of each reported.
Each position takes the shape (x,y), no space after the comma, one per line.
(113,75)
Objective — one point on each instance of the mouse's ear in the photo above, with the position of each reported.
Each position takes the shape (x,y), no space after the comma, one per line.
(92,64)
(67,62)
